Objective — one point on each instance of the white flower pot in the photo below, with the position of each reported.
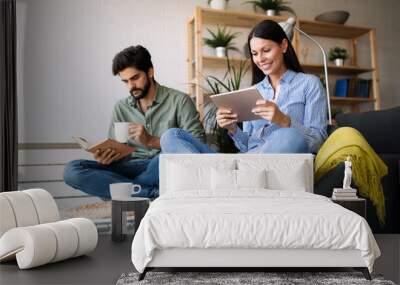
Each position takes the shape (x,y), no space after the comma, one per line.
(271,12)
(339,61)
(218,4)
(220,52)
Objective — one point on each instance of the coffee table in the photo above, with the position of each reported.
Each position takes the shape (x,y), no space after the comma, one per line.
(118,215)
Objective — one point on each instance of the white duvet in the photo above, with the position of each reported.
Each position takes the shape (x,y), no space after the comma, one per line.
(250,219)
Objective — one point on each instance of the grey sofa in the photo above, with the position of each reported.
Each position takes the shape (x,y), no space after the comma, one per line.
(382,131)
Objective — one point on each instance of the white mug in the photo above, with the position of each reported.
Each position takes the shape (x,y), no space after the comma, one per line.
(123,191)
(121,131)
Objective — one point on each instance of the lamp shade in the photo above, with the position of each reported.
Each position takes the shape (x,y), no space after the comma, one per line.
(288,27)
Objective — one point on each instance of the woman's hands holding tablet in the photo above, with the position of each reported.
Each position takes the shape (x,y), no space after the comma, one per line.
(227,119)
(269,111)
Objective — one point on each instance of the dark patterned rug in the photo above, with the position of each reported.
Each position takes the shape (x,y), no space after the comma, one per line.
(243,278)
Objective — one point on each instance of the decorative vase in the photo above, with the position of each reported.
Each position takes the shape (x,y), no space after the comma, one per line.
(218,4)
(220,52)
(339,61)
(271,12)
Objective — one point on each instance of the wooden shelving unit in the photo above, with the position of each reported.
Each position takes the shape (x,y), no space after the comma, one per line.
(351,34)
(350,100)
(340,70)
(197,61)
(332,30)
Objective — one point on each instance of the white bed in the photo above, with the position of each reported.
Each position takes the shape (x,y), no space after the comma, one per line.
(247,211)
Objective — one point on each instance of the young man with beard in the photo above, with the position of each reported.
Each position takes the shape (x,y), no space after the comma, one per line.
(151,109)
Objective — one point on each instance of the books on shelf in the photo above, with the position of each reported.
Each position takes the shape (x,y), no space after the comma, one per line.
(342,87)
(353,87)
(362,88)
(344,194)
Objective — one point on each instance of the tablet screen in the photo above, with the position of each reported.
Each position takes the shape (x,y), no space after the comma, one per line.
(240,101)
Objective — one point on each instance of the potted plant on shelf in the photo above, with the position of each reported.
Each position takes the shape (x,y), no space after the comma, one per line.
(231,81)
(338,55)
(218,4)
(221,41)
(272,7)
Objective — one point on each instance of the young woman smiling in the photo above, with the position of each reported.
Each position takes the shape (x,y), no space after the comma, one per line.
(293,114)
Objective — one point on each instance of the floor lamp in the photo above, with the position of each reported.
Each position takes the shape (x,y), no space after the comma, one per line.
(288,27)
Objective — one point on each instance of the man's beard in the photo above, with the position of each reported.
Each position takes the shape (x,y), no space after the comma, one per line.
(143,92)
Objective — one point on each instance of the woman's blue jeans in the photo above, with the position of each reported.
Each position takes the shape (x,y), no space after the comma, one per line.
(94,178)
(284,140)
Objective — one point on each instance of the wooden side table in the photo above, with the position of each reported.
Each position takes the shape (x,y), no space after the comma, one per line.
(357,205)
(118,214)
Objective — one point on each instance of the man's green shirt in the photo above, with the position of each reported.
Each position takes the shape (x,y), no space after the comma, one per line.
(170,109)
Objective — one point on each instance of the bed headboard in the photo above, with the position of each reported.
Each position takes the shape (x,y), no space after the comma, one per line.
(285,169)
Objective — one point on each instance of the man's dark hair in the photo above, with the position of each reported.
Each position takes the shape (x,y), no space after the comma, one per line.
(133,56)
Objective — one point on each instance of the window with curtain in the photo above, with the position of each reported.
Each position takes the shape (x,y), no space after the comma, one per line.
(8,98)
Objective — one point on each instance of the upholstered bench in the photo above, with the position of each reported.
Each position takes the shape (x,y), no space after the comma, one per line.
(31,233)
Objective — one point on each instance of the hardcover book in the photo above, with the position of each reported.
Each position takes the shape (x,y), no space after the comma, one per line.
(120,148)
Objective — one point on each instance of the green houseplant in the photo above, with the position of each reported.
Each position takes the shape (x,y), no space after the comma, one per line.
(221,41)
(272,7)
(338,55)
(231,81)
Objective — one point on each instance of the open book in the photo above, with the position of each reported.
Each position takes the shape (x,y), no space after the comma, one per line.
(121,148)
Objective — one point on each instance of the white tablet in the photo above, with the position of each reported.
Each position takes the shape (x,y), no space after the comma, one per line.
(241,102)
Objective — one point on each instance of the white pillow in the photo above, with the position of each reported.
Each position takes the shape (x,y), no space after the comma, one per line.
(191,176)
(222,179)
(281,174)
(295,180)
(251,178)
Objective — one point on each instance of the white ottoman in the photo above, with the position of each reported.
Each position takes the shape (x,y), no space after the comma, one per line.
(31,233)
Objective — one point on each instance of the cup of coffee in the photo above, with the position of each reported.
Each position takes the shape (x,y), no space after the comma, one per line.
(123,191)
(121,131)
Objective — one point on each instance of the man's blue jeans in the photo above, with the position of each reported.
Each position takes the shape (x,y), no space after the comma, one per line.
(284,140)
(94,178)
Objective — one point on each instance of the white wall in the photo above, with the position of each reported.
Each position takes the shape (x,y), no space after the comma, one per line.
(66,48)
